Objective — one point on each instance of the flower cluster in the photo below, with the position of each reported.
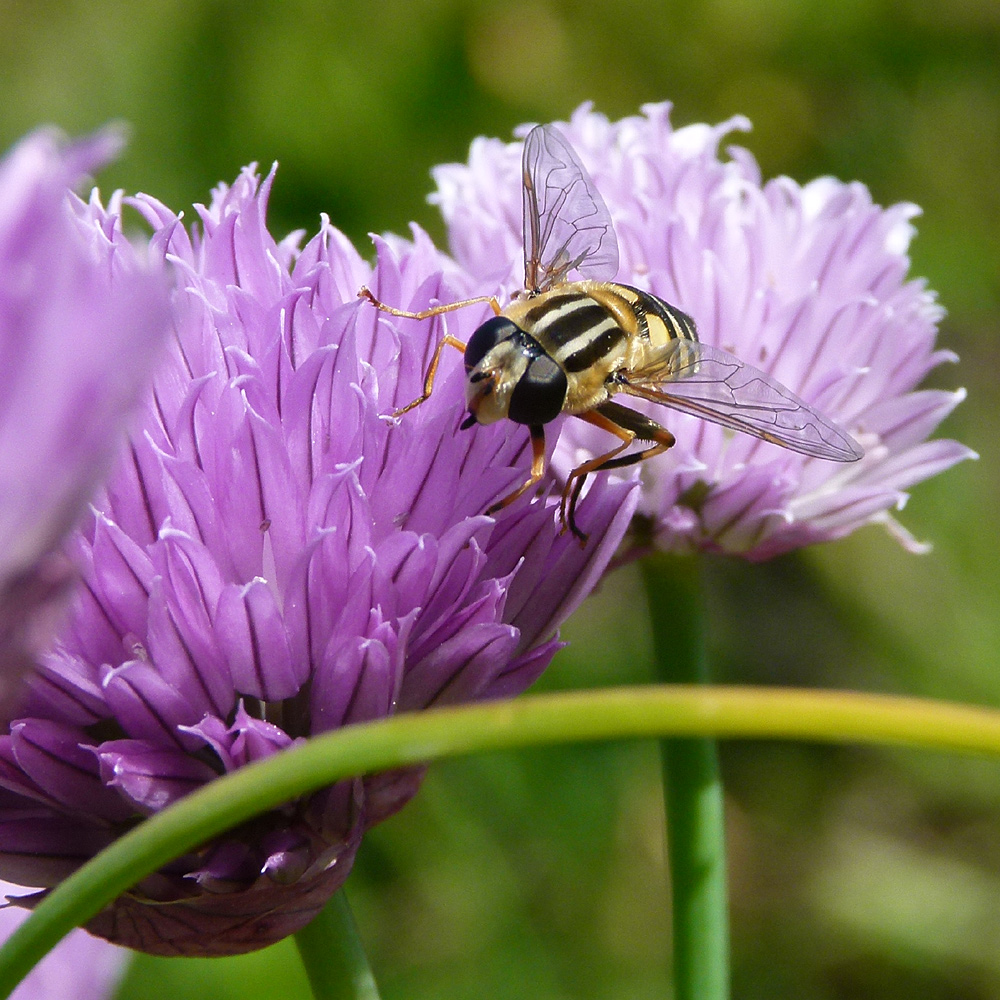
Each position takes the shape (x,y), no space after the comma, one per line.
(808,283)
(276,557)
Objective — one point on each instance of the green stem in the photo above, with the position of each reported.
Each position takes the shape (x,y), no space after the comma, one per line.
(696,840)
(333,956)
(422,737)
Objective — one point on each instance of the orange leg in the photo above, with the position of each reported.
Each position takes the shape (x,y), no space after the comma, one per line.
(432,368)
(365,293)
(537,468)
(446,340)
(625,424)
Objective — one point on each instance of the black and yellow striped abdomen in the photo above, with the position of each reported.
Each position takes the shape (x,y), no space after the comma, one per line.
(593,329)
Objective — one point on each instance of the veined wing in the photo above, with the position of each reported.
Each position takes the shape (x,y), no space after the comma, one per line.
(717,386)
(567,226)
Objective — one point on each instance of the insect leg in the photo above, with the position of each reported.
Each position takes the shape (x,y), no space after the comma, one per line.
(446,340)
(625,424)
(365,293)
(537,432)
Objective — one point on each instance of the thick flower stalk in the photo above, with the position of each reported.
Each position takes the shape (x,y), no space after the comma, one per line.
(808,283)
(79,329)
(275,557)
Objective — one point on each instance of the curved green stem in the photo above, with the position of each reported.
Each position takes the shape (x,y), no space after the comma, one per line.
(333,956)
(828,716)
(696,836)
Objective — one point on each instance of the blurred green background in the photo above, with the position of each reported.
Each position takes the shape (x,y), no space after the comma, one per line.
(856,873)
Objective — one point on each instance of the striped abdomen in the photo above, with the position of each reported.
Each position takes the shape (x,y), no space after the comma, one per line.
(593,329)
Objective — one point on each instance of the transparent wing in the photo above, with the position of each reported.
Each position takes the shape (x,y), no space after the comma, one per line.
(717,386)
(567,226)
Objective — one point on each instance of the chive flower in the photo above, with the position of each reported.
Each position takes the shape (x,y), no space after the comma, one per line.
(276,556)
(808,283)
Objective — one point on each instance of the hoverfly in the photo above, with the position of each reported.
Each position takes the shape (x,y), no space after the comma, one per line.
(564,346)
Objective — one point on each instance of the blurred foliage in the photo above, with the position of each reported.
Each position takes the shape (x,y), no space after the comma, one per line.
(855,873)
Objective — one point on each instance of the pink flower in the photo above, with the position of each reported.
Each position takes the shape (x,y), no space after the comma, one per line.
(80,323)
(807,283)
(82,316)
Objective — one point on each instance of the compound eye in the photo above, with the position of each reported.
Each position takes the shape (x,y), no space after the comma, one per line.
(486,337)
(540,392)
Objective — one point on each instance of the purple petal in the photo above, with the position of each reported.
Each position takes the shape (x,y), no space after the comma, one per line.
(148,776)
(146,705)
(251,635)
(57,758)
(356,682)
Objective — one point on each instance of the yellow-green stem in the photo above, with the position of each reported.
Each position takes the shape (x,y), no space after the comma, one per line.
(693,710)
(333,956)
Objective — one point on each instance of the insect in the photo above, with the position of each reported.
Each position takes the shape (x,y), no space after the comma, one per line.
(563,346)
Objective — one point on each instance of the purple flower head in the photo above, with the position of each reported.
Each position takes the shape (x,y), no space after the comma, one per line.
(80,323)
(807,283)
(277,557)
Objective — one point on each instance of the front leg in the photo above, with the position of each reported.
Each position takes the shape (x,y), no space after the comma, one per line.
(446,340)
(366,293)
(537,432)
